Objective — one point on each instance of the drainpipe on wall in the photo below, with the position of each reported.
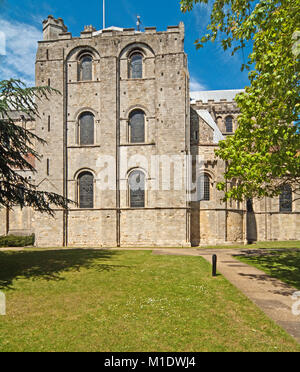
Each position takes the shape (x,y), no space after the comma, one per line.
(118,211)
(7,221)
(226,206)
(266,220)
(65,151)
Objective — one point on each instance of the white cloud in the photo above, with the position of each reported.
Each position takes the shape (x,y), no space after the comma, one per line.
(2,43)
(21,46)
(196,86)
(202,14)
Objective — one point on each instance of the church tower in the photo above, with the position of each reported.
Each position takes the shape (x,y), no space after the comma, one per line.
(116,134)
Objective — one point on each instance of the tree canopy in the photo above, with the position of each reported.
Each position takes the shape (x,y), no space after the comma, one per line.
(17,146)
(264,153)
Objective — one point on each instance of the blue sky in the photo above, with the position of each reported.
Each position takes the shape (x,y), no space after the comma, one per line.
(21,22)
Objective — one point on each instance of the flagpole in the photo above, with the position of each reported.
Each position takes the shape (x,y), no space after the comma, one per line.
(103,14)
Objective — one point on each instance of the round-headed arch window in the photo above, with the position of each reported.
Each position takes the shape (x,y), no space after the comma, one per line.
(136,66)
(286,199)
(86,190)
(136,183)
(203,187)
(86,68)
(86,129)
(229,124)
(137,126)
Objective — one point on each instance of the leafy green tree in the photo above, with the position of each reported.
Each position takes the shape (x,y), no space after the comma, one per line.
(17,144)
(264,153)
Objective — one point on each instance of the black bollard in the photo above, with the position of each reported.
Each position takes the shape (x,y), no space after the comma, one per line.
(214,265)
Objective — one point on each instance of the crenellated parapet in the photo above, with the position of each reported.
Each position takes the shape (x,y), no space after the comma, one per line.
(53,28)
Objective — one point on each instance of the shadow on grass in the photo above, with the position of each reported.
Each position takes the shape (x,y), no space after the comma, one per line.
(280,264)
(49,265)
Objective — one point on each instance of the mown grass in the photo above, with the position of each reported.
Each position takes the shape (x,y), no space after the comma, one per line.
(280,264)
(89,300)
(291,244)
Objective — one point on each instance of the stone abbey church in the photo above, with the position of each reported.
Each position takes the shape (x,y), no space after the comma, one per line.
(118,139)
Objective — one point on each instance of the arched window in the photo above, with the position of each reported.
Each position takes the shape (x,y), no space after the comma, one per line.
(137,126)
(85,68)
(20,193)
(86,129)
(229,124)
(286,199)
(136,184)
(136,66)
(86,190)
(203,188)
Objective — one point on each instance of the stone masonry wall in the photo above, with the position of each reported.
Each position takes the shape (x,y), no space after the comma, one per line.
(111,96)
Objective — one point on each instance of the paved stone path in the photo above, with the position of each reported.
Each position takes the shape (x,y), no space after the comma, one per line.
(272,296)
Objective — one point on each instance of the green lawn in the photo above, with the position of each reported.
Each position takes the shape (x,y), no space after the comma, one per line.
(89,300)
(292,244)
(280,264)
